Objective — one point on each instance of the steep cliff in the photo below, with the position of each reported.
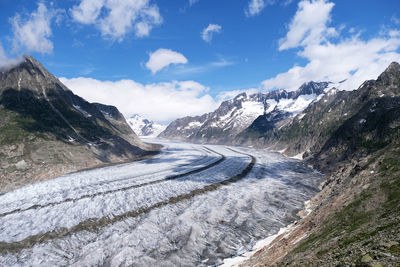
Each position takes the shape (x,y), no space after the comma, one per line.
(46,130)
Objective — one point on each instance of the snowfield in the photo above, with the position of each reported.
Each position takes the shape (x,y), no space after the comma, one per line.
(191,205)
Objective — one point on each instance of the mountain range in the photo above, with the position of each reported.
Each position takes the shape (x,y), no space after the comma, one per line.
(46,130)
(353,138)
(350,136)
(234,116)
(145,127)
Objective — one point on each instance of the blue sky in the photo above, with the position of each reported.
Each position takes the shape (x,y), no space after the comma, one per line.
(252,45)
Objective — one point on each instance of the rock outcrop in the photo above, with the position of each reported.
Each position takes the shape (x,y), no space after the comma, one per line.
(46,130)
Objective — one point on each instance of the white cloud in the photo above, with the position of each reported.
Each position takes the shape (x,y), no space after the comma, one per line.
(142,29)
(208,32)
(394,33)
(87,11)
(287,2)
(352,59)
(222,62)
(162,102)
(255,7)
(116,18)
(6,62)
(309,24)
(192,2)
(195,69)
(163,58)
(32,34)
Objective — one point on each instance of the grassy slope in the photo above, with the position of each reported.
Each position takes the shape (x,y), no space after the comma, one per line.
(369,224)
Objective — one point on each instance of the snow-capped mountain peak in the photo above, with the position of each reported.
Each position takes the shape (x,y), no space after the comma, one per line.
(235,115)
(145,127)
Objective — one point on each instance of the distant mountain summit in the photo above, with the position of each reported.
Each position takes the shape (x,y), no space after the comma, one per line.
(236,115)
(145,127)
(46,130)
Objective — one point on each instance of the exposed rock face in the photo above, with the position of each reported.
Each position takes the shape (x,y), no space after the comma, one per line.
(235,115)
(307,130)
(323,124)
(145,127)
(46,130)
(109,111)
(356,216)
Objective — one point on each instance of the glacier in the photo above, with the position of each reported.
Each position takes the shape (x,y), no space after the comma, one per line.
(155,211)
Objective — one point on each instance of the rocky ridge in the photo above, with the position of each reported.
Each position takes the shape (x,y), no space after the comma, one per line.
(234,116)
(46,130)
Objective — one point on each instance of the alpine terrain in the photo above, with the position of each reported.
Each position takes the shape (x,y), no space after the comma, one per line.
(200,133)
(46,130)
(350,136)
(203,204)
(236,115)
(186,205)
(353,138)
(145,127)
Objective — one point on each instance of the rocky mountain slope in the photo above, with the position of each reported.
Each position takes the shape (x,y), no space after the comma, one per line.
(145,127)
(335,112)
(46,130)
(353,137)
(236,115)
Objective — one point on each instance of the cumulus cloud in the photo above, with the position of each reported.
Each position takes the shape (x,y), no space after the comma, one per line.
(331,58)
(309,25)
(163,58)
(87,11)
(32,34)
(161,102)
(207,33)
(116,18)
(6,62)
(255,7)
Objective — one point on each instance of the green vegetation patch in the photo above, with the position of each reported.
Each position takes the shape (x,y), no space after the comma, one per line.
(390,169)
(372,145)
(357,225)
(390,164)
(14,128)
(351,218)
(394,250)
(11,133)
